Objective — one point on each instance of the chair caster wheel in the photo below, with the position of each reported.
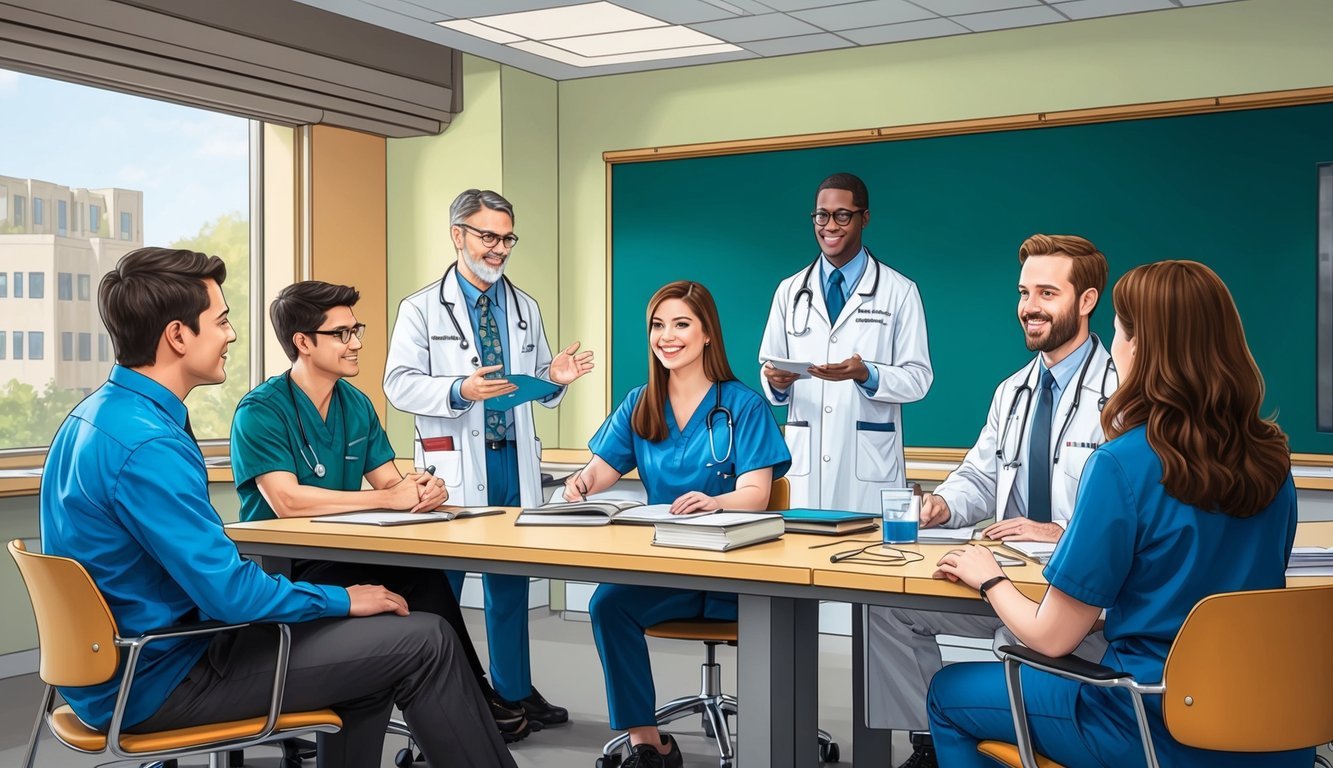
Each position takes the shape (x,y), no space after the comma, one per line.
(403,759)
(608,761)
(828,753)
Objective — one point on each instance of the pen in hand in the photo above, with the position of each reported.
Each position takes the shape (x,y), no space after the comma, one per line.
(430,470)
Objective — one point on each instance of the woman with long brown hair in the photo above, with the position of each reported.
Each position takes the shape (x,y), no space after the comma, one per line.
(1191,496)
(701,441)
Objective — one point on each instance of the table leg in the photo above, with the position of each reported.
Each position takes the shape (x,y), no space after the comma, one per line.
(870,746)
(778,681)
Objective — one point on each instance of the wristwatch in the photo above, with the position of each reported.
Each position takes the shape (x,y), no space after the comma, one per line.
(990,583)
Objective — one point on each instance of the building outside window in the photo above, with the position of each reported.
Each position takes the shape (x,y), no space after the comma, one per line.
(4,345)
(4,285)
(18,285)
(36,345)
(84,289)
(94,219)
(65,286)
(62,218)
(67,346)
(19,210)
(18,345)
(36,285)
(38,212)
(85,347)
(103,348)
(126,225)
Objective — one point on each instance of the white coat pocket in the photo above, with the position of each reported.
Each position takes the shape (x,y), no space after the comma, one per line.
(1073,458)
(877,452)
(448,462)
(797,435)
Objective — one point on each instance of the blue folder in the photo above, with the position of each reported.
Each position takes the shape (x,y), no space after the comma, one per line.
(825,515)
(529,388)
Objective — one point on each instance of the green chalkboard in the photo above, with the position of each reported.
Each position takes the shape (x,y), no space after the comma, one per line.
(1236,190)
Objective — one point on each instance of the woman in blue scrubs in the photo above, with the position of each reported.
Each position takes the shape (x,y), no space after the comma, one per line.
(1192,496)
(701,440)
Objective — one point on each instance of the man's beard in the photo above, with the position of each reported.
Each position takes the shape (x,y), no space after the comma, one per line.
(1059,330)
(483,270)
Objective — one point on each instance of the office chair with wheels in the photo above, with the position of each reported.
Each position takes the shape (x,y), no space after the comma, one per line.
(79,645)
(711,703)
(1248,672)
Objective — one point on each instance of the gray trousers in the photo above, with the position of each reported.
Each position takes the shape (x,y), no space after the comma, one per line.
(902,655)
(359,668)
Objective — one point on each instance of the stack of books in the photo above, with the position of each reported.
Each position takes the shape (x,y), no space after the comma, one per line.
(1310,561)
(719,531)
(828,521)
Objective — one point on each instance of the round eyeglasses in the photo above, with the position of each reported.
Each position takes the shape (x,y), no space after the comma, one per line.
(842,216)
(489,239)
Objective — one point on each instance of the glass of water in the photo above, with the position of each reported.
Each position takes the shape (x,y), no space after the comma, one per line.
(901,515)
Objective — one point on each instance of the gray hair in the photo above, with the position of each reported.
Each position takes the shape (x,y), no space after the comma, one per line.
(472,200)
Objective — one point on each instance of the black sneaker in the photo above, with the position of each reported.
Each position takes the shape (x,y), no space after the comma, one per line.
(509,717)
(647,756)
(539,710)
(922,757)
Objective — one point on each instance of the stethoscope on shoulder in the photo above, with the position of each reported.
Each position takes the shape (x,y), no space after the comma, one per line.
(717,410)
(318,466)
(1023,394)
(809,294)
(463,343)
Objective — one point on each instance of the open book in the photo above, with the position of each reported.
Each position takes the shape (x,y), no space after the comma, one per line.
(397,517)
(600,513)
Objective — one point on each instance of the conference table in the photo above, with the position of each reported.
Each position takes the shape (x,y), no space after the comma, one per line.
(780,584)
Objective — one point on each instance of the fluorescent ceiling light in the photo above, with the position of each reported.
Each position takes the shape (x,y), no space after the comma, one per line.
(469,27)
(570,21)
(575,60)
(635,41)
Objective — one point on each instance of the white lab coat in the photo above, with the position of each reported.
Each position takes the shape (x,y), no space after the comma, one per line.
(980,487)
(426,358)
(839,459)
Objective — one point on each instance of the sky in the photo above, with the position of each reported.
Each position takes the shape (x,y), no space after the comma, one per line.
(192,165)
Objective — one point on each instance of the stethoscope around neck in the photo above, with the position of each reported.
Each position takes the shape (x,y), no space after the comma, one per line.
(463,343)
(721,410)
(317,466)
(1023,394)
(809,294)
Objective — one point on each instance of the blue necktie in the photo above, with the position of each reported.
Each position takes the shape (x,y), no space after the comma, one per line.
(488,337)
(834,299)
(1039,454)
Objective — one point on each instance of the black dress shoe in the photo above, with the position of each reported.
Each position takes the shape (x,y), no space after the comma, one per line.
(509,717)
(539,710)
(647,756)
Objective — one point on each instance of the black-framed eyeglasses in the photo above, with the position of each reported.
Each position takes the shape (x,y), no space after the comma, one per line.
(842,216)
(489,239)
(344,334)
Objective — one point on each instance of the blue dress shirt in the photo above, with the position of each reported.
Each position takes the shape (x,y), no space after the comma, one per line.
(125,493)
(1063,372)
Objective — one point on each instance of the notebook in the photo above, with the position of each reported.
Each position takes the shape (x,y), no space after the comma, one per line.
(1040,551)
(829,522)
(945,535)
(720,531)
(601,512)
(398,517)
(529,388)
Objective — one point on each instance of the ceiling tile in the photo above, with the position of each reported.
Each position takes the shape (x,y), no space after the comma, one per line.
(461,9)
(798,5)
(1018,17)
(960,7)
(414,10)
(682,11)
(567,57)
(866,14)
(1204,2)
(634,41)
(570,21)
(801,44)
(469,27)
(910,30)
(766,27)
(1089,9)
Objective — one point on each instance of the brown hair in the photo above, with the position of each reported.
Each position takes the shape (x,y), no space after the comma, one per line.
(649,419)
(1197,388)
(1089,268)
(147,290)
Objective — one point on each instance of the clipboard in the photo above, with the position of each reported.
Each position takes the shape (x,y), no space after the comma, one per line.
(529,388)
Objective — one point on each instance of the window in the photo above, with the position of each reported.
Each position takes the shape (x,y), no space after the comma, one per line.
(4,285)
(4,346)
(135,171)
(4,205)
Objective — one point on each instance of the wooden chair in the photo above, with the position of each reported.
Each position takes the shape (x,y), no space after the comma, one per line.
(1248,672)
(714,705)
(79,645)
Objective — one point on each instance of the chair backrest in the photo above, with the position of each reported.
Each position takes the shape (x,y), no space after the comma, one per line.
(779,498)
(76,633)
(1252,672)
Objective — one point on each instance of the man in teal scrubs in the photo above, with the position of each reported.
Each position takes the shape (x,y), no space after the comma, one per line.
(302,442)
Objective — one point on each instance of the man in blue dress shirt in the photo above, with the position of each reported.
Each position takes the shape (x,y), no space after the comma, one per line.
(125,493)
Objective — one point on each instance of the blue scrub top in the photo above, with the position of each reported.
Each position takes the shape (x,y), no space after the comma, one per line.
(265,437)
(683,461)
(1147,558)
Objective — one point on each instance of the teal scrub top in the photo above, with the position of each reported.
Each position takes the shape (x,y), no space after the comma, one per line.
(265,437)
(684,461)
(1147,558)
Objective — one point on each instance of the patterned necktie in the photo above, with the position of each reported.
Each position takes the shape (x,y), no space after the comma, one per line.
(1039,454)
(488,336)
(834,300)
